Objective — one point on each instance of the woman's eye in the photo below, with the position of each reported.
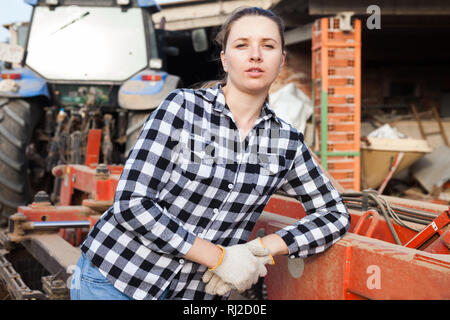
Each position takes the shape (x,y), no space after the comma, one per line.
(240,45)
(269,46)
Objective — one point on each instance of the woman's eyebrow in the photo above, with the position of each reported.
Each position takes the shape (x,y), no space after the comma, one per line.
(263,39)
(240,39)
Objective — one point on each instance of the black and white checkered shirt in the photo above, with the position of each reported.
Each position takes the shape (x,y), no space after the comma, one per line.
(191,175)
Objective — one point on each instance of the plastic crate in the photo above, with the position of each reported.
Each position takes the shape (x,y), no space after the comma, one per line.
(336,77)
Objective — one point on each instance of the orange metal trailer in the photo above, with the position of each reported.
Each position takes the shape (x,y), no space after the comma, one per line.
(366,264)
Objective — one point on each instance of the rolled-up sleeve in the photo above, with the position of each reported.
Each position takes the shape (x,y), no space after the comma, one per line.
(145,173)
(327,219)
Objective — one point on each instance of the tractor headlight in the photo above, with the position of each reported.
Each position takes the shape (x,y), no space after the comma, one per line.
(155,63)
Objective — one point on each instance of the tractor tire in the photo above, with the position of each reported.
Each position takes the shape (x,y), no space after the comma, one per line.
(18,117)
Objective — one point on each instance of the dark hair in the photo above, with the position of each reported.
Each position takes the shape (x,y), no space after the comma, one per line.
(240,12)
(222,36)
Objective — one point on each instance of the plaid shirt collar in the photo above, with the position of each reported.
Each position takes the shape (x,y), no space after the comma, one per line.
(216,96)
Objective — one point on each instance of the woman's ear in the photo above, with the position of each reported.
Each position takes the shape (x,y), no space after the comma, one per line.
(224,63)
(283,60)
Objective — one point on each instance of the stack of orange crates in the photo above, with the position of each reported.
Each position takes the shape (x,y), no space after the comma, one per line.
(336,76)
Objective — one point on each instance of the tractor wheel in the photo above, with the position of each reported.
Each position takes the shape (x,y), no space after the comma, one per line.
(136,120)
(18,118)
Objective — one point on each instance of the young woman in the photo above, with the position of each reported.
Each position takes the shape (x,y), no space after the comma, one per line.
(203,169)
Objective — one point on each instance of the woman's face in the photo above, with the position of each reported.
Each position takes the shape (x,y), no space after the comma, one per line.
(253,56)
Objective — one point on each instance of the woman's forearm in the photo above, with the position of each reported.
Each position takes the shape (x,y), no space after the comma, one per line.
(204,252)
(208,254)
(275,244)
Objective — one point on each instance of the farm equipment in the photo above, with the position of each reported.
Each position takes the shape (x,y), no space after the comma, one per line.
(390,242)
(379,258)
(86,65)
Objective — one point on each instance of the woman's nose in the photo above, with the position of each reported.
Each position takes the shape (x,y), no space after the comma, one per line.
(255,54)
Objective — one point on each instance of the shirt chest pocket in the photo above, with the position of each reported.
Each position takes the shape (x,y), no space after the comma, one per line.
(269,169)
(196,160)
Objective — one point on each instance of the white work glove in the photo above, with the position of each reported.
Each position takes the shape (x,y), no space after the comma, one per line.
(240,267)
(216,285)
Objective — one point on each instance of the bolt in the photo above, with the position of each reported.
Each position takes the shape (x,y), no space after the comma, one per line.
(102,172)
(41,197)
(102,168)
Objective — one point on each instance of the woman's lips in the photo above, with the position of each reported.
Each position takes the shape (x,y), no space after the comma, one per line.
(254,72)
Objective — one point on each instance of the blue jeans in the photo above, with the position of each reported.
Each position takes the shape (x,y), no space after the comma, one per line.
(89,284)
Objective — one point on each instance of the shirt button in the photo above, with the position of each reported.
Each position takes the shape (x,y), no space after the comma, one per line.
(230,186)
(239,157)
(181,261)
(216,211)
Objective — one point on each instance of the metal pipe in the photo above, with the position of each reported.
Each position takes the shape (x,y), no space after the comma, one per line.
(342,153)
(414,212)
(386,217)
(424,214)
(59,224)
(324,127)
(351,196)
(403,216)
(380,205)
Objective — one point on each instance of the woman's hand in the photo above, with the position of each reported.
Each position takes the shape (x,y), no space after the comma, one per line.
(240,266)
(216,285)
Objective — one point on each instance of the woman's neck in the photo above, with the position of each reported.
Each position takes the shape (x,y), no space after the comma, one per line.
(245,107)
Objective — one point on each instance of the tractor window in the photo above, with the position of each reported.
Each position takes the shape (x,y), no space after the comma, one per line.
(87,43)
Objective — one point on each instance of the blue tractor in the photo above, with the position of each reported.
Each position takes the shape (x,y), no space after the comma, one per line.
(86,65)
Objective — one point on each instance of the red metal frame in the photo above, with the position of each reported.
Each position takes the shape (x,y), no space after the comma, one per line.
(93,146)
(435,228)
(375,217)
(86,179)
(98,189)
(45,212)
